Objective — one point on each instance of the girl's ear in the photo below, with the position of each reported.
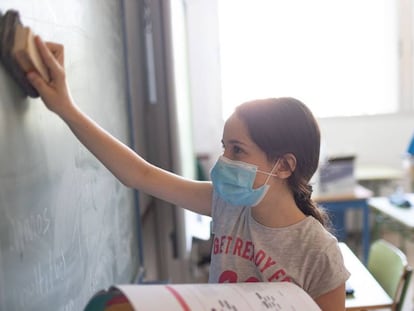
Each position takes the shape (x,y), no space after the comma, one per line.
(286,166)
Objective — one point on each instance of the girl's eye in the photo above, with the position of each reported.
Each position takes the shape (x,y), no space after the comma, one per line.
(237,150)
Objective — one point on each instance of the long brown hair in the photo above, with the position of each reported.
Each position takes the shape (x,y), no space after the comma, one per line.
(285,125)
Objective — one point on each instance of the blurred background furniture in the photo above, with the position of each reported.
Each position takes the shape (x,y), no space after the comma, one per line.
(367,292)
(390,268)
(337,204)
(381,179)
(388,216)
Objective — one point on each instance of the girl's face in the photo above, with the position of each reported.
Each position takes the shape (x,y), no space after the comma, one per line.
(238,146)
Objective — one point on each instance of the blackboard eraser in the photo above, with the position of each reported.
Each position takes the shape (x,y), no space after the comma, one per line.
(26,53)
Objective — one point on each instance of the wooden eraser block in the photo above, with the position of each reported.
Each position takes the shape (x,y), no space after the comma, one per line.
(26,53)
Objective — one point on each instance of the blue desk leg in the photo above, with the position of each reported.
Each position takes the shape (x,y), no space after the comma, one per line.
(338,223)
(337,212)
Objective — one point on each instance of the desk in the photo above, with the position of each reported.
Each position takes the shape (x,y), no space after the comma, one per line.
(368,294)
(403,216)
(377,173)
(376,176)
(338,204)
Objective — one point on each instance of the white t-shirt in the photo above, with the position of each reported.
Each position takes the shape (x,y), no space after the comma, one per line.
(246,251)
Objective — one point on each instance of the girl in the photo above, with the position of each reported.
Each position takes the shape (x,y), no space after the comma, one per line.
(266,227)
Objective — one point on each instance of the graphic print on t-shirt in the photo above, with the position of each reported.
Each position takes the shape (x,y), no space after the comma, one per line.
(235,246)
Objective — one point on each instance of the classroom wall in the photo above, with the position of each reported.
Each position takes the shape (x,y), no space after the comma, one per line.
(376,140)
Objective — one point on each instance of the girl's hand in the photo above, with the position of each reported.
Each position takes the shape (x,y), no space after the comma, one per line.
(54,93)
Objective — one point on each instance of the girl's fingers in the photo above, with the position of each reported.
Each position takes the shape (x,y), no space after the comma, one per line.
(57,51)
(48,58)
(37,81)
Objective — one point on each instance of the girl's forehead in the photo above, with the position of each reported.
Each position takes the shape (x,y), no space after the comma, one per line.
(235,129)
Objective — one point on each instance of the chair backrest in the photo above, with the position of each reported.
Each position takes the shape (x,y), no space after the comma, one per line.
(389,266)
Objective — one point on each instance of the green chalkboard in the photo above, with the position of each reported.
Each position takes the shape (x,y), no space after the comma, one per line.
(67,226)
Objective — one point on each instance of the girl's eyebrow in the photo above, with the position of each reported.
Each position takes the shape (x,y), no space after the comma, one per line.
(234,142)
(238,142)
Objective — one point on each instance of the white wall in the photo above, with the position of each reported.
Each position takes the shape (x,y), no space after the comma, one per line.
(374,139)
(202,24)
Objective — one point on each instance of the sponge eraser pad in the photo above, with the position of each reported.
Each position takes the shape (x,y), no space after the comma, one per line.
(26,53)
(9,22)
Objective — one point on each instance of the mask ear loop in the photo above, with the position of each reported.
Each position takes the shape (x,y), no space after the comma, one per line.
(271,172)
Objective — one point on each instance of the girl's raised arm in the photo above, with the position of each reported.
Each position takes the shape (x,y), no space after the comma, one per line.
(131,169)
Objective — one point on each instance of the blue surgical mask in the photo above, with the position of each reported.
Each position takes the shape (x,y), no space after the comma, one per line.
(233,181)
